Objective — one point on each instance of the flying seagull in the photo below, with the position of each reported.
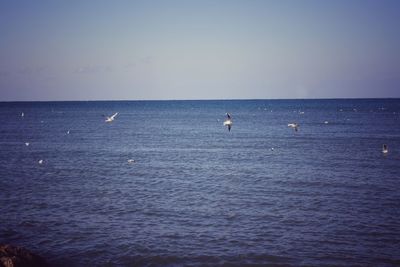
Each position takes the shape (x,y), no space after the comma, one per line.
(228,122)
(110,119)
(295,126)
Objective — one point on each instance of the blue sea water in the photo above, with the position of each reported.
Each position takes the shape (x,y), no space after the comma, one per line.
(197,194)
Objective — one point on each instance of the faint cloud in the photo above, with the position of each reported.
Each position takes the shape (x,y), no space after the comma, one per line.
(93,69)
(129,65)
(147,60)
(27,70)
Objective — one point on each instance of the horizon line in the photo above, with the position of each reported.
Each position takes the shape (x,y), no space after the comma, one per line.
(211,99)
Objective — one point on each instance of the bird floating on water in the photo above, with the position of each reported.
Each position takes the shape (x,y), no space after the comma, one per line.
(27,143)
(111,118)
(385,149)
(228,122)
(40,161)
(22,114)
(131,161)
(295,126)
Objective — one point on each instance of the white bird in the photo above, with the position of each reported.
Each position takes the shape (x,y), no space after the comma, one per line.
(68,132)
(228,122)
(110,119)
(131,161)
(385,149)
(27,144)
(40,161)
(295,126)
(22,114)
(326,122)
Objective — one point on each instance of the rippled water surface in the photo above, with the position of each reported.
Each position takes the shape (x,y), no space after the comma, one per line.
(261,194)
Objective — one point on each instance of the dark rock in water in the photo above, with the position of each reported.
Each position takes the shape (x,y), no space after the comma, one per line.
(11,256)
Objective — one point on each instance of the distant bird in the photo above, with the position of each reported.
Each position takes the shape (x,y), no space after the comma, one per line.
(131,161)
(40,161)
(326,122)
(111,119)
(68,132)
(228,122)
(22,114)
(27,144)
(295,126)
(385,149)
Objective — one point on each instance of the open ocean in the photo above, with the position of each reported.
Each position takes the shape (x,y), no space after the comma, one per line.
(197,194)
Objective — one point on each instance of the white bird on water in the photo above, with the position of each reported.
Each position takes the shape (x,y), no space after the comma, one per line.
(22,114)
(131,161)
(40,161)
(295,126)
(27,143)
(385,149)
(228,122)
(111,118)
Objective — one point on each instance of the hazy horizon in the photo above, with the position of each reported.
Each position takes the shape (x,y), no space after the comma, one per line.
(189,50)
(211,99)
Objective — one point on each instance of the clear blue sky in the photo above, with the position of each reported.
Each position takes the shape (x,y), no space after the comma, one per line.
(93,50)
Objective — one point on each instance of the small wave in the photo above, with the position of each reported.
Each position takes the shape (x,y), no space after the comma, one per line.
(207,260)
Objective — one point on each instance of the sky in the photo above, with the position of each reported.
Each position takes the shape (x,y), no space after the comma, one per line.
(175,49)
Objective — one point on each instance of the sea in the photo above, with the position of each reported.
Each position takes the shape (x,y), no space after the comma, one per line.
(167,184)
